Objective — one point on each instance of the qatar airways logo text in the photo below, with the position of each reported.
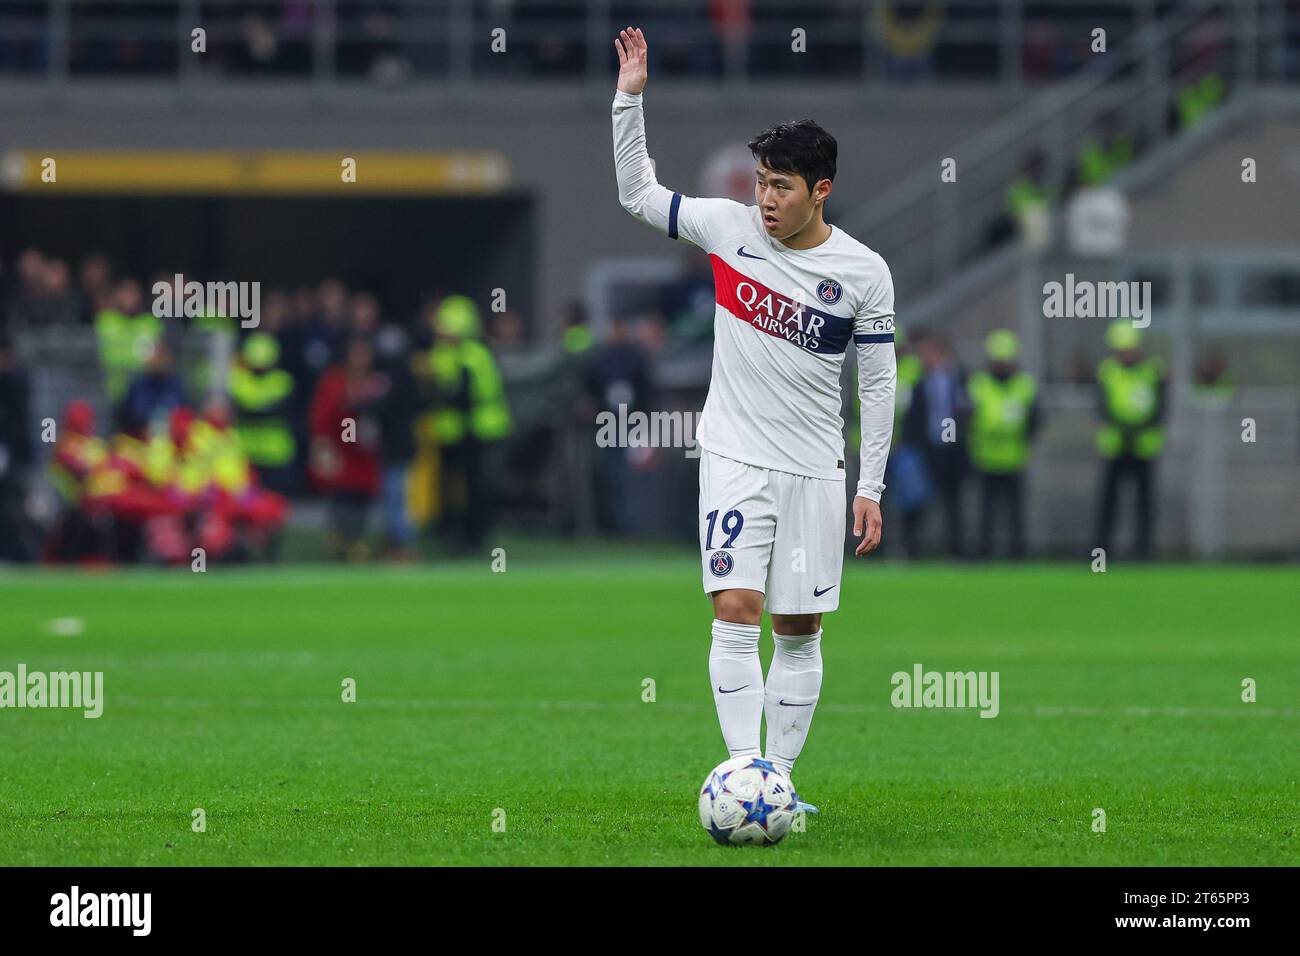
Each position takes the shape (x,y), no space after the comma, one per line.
(788,321)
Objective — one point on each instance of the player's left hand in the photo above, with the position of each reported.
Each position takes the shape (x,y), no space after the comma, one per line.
(866,513)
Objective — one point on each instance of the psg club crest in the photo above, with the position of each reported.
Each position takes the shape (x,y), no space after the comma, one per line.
(720,563)
(829,291)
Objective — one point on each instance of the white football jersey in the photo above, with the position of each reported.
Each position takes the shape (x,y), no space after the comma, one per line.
(783,321)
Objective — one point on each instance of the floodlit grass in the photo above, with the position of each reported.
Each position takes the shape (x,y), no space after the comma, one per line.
(522,692)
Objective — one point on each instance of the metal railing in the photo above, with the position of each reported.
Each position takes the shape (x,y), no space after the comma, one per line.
(929,230)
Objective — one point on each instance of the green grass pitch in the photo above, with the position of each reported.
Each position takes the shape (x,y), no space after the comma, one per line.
(522,692)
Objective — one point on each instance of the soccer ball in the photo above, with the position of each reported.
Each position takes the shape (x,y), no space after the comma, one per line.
(746,800)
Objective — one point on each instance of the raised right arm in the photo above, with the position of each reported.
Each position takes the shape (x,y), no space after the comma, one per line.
(638,191)
(699,221)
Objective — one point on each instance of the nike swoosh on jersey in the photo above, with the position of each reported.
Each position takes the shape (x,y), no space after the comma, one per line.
(733,690)
(817,593)
(741,252)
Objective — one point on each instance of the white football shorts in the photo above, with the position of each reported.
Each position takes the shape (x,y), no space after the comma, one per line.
(774,532)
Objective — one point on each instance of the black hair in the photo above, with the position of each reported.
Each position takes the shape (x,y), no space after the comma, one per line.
(801,147)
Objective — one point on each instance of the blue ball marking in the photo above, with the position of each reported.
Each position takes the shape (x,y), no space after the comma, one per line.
(756,810)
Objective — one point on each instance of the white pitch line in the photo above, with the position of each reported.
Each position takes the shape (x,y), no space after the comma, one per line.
(398,703)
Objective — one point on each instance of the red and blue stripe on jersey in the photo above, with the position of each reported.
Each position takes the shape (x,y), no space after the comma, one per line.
(767,310)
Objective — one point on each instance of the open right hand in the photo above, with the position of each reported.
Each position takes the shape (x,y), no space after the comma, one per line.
(631,47)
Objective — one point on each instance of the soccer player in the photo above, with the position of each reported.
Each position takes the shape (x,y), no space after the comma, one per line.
(792,292)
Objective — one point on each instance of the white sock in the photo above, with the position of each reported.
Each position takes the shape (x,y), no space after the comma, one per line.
(734,668)
(794,682)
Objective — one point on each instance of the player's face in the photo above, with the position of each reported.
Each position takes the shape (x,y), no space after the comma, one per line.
(784,200)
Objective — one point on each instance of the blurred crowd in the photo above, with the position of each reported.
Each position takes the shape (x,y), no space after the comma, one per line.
(955,427)
(206,429)
(389,40)
(197,433)
(174,494)
(181,433)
